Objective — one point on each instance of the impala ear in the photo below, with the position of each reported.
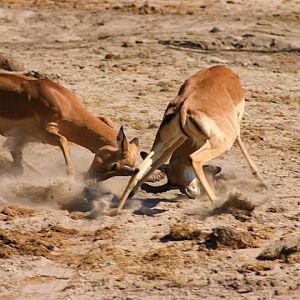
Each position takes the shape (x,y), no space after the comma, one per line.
(107,120)
(143,154)
(122,140)
(135,142)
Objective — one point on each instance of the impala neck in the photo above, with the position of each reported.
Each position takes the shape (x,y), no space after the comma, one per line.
(89,132)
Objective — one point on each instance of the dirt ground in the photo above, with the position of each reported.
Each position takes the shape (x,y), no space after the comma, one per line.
(127,61)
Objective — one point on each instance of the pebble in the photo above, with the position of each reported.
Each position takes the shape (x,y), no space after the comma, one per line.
(215,29)
(110,56)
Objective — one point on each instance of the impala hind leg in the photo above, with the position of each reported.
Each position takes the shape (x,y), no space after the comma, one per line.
(57,139)
(250,161)
(15,146)
(207,152)
(17,157)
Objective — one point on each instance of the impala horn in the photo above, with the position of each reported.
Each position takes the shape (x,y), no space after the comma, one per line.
(158,174)
(157,189)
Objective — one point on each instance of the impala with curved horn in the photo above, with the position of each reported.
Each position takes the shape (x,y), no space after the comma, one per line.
(49,113)
(206,112)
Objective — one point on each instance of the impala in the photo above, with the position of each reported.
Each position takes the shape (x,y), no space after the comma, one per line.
(47,112)
(206,112)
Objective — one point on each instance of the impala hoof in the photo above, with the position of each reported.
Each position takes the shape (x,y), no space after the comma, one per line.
(70,172)
(114,212)
(262,184)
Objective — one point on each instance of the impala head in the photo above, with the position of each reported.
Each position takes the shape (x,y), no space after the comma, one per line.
(182,175)
(112,161)
(189,184)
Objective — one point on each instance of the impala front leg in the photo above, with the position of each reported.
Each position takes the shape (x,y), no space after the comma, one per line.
(62,142)
(158,162)
(153,160)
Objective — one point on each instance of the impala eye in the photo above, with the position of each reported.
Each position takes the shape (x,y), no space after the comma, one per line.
(114,167)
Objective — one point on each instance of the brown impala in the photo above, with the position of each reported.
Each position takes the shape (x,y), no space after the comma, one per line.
(203,121)
(48,112)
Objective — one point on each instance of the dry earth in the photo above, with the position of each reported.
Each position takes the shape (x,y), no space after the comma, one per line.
(127,61)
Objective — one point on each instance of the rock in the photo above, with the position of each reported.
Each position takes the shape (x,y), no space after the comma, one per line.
(215,29)
(281,248)
(9,63)
(127,44)
(218,60)
(110,56)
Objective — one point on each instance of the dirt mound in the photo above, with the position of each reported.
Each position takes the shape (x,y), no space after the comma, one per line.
(94,259)
(13,211)
(239,204)
(256,267)
(180,232)
(41,243)
(236,204)
(144,9)
(231,238)
(108,232)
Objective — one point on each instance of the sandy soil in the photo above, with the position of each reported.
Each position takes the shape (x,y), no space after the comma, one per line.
(54,244)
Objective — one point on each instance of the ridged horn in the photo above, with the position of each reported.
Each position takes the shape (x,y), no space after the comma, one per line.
(156,189)
(157,175)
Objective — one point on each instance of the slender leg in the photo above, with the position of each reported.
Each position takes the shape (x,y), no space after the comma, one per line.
(207,152)
(165,156)
(250,161)
(16,145)
(62,142)
(30,166)
(18,169)
(158,158)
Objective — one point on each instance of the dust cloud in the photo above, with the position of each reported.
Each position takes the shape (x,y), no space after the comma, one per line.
(238,193)
(45,185)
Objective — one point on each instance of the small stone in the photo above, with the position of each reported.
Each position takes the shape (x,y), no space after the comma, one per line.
(215,29)
(127,44)
(110,56)
(9,63)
